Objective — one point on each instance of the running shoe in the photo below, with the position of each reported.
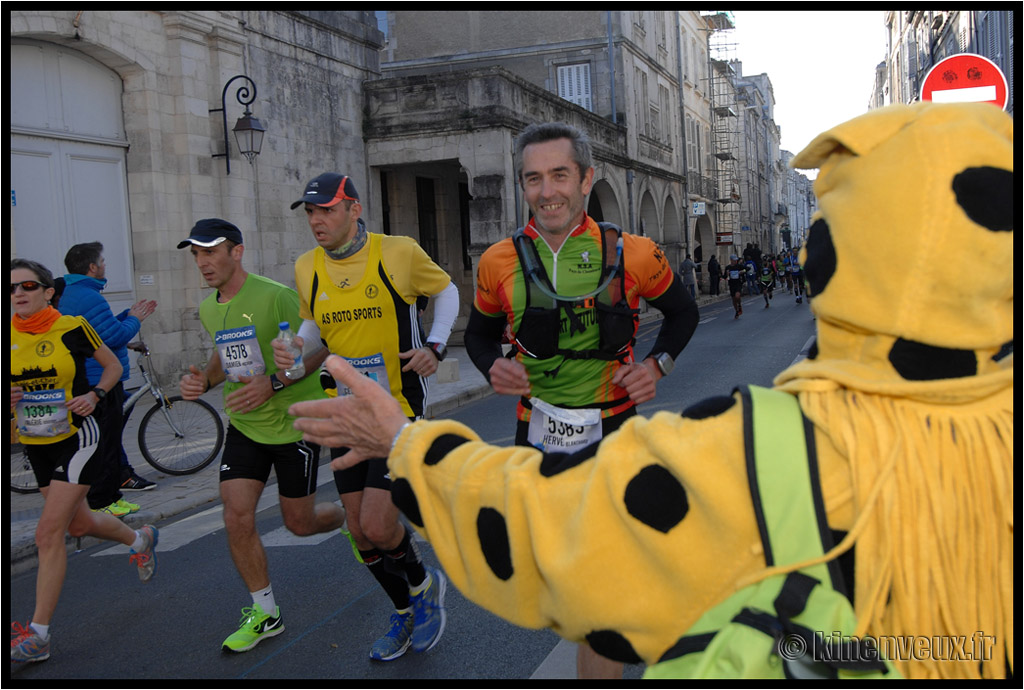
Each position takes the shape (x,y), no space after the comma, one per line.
(428,611)
(396,640)
(137,483)
(27,645)
(254,627)
(115,509)
(146,558)
(127,505)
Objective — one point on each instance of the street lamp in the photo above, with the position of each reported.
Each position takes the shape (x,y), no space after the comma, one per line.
(248,130)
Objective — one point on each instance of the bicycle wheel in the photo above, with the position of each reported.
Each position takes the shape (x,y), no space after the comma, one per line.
(198,443)
(23,479)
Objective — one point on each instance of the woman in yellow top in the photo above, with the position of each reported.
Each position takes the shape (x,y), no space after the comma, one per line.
(53,403)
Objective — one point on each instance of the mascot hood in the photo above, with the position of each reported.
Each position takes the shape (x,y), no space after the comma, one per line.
(910,255)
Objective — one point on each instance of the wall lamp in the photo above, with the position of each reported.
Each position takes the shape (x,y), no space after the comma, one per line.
(248,130)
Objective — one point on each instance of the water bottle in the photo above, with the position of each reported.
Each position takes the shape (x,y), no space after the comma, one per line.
(298,370)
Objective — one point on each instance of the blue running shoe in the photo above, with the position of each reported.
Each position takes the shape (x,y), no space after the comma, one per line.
(396,640)
(428,611)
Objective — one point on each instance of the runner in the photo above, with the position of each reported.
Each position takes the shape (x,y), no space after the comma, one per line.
(54,404)
(574,366)
(767,280)
(734,273)
(242,317)
(359,293)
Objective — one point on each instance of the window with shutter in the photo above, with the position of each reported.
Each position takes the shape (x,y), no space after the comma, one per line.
(574,85)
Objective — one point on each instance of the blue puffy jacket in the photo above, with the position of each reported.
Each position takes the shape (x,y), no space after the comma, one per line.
(82,297)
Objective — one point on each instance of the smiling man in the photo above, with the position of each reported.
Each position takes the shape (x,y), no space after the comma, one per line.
(568,290)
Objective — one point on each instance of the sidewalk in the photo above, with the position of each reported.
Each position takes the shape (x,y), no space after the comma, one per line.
(174,495)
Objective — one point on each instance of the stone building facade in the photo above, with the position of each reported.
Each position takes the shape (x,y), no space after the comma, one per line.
(452,100)
(114,135)
(112,139)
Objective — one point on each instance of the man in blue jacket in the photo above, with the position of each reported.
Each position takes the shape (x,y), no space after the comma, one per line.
(84,281)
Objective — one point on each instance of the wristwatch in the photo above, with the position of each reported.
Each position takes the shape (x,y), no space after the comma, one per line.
(275,383)
(440,350)
(665,363)
(100,393)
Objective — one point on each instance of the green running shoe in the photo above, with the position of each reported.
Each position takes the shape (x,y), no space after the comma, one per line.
(115,509)
(254,627)
(127,505)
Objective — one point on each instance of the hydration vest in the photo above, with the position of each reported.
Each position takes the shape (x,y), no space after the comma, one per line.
(539,326)
(795,625)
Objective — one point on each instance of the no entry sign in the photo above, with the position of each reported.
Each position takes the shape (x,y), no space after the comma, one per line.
(965,78)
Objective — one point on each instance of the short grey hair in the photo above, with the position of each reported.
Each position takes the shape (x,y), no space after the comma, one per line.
(549,131)
(43,274)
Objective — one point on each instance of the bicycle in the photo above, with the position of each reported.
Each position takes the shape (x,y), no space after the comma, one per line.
(176,436)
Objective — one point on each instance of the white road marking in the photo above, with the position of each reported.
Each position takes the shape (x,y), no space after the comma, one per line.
(560,664)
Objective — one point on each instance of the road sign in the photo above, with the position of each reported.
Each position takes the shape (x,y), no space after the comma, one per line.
(965,78)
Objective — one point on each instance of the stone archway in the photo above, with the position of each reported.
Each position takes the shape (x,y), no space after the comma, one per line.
(603,206)
(674,242)
(705,248)
(649,226)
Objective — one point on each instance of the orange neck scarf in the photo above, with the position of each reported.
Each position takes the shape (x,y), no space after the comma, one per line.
(39,322)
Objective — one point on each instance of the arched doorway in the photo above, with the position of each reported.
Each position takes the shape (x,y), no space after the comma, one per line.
(603,206)
(649,225)
(704,241)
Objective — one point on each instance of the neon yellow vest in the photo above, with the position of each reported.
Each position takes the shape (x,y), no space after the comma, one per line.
(794,625)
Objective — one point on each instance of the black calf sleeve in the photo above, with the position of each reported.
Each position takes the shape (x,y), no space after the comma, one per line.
(406,558)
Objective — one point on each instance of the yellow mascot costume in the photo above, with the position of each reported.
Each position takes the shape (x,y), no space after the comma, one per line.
(909,398)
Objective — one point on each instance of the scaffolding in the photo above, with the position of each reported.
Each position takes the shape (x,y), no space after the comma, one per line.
(725,125)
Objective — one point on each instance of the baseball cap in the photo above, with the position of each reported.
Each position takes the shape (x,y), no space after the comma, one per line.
(327,190)
(209,232)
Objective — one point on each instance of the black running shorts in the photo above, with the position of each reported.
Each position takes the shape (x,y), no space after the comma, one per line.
(296,464)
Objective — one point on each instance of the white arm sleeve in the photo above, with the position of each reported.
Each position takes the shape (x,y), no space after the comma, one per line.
(310,334)
(446,310)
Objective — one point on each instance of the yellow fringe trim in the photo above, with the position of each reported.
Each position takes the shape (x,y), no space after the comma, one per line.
(933,487)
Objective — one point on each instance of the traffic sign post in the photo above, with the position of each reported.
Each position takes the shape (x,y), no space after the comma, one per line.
(965,78)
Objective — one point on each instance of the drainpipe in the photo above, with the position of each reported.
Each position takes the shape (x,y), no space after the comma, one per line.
(682,122)
(611,66)
(629,193)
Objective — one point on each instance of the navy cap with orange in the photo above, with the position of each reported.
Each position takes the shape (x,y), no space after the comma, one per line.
(328,189)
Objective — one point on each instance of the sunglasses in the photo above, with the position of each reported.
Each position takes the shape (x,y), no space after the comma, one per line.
(27,286)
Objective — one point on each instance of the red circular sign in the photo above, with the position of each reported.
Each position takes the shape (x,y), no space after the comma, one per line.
(965,78)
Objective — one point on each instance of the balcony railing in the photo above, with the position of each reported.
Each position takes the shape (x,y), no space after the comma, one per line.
(701,186)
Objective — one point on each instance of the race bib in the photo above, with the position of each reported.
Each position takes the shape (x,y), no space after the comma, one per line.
(43,413)
(562,430)
(240,353)
(372,367)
